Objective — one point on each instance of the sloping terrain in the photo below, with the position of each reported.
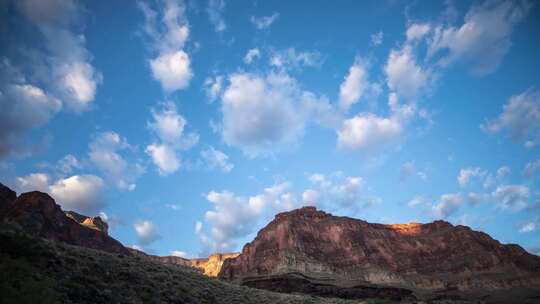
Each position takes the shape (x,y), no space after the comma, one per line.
(310,251)
(34,270)
(38,214)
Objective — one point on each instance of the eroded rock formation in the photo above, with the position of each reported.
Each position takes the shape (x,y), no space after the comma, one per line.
(37,214)
(211,266)
(312,251)
(91,222)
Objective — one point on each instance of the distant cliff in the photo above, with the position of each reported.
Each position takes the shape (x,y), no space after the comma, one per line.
(311,251)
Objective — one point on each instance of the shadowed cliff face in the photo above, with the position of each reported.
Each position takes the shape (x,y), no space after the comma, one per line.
(37,214)
(344,252)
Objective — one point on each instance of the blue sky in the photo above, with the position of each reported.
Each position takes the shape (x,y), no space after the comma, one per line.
(189,125)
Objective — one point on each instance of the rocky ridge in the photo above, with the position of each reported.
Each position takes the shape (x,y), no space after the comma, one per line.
(311,251)
(37,214)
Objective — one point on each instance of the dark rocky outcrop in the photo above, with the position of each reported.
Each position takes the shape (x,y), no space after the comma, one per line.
(37,214)
(88,221)
(6,196)
(309,250)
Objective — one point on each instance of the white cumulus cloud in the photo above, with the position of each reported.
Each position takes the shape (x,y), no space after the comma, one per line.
(172,65)
(483,38)
(146,232)
(169,127)
(520,117)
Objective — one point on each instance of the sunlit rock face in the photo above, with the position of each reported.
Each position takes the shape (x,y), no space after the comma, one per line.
(91,222)
(211,266)
(311,247)
(37,214)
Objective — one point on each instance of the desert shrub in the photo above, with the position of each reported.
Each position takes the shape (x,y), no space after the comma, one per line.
(20,283)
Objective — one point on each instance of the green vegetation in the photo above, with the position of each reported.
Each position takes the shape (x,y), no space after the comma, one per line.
(40,271)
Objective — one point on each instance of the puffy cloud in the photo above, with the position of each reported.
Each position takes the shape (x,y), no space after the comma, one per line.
(251,55)
(311,197)
(234,217)
(105,155)
(403,74)
(377,38)
(169,126)
(74,79)
(528,227)
(24,107)
(418,200)
(355,85)
(216,159)
(366,130)
(164,157)
(172,70)
(172,66)
(291,59)
(447,205)
(48,76)
(261,113)
(339,193)
(68,163)
(512,196)
(198,227)
(146,232)
(33,182)
(112,221)
(417,31)
(213,87)
(167,123)
(215,12)
(264,22)
(466,174)
(81,193)
(477,198)
(483,37)
(520,117)
(532,169)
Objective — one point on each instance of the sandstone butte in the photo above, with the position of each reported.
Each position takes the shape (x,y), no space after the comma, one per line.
(310,251)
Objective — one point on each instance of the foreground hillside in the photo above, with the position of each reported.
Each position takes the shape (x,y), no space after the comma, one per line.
(48,255)
(35,270)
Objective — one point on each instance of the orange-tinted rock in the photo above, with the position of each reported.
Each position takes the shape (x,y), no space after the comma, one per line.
(211,266)
(88,221)
(326,250)
(38,214)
